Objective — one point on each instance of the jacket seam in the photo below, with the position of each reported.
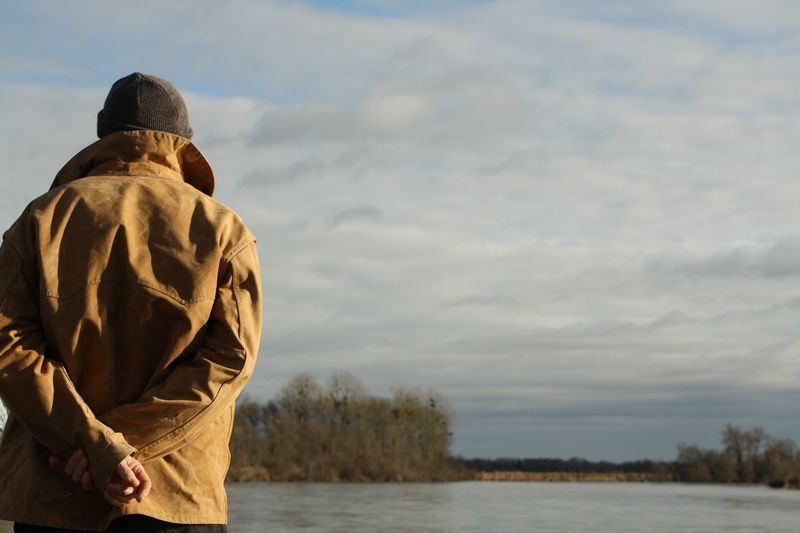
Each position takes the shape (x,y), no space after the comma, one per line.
(137,282)
(190,423)
(53,444)
(23,264)
(230,255)
(177,432)
(16,251)
(236,298)
(7,287)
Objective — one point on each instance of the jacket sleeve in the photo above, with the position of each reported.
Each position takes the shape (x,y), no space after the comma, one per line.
(37,390)
(200,388)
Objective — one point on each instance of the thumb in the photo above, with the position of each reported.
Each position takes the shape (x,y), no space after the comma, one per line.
(55,462)
(126,474)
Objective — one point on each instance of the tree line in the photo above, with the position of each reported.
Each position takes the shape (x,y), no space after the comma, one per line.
(337,431)
(574,465)
(747,456)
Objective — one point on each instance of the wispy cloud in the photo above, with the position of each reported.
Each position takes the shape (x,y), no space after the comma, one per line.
(576,221)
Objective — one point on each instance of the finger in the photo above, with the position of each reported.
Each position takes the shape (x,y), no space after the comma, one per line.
(55,462)
(112,500)
(123,494)
(127,474)
(125,500)
(144,480)
(86,481)
(72,462)
(120,491)
(80,469)
(144,488)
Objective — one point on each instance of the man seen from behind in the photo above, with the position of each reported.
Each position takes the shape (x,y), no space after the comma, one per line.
(130,320)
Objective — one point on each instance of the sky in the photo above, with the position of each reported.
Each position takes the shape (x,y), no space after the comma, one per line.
(578,221)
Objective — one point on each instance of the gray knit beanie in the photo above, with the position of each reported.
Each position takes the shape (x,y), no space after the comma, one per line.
(142,102)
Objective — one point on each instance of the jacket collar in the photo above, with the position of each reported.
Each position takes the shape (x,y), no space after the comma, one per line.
(143,153)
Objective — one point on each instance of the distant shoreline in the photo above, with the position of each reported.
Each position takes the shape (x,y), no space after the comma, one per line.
(573,477)
(261,475)
(257,474)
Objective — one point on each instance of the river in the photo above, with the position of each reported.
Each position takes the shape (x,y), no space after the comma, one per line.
(509,507)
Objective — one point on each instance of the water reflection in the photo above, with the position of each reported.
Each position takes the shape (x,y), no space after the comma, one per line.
(485,506)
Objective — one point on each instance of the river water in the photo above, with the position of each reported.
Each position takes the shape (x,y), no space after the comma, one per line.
(512,507)
(508,507)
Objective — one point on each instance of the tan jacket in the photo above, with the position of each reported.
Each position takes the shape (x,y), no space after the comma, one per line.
(130,319)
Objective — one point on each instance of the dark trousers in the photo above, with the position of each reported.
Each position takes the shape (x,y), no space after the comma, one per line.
(134,523)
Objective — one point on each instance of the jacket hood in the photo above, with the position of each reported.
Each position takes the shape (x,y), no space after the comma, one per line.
(145,152)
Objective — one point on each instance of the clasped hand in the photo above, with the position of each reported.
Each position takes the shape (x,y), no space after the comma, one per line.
(129,481)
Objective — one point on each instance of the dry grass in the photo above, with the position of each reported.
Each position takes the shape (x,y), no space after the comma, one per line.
(248,473)
(583,477)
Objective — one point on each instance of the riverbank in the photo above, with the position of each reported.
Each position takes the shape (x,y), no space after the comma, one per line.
(329,475)
(248,474)
(260,474)
(575,477)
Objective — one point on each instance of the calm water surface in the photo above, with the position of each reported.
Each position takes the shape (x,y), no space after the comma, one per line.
(485,506)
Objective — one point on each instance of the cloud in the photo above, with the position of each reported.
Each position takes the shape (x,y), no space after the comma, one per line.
(360,213)
(393,113)
(776,261)
(742,17)
(576,223)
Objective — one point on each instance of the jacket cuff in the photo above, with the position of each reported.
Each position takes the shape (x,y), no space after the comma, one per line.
(105,456)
